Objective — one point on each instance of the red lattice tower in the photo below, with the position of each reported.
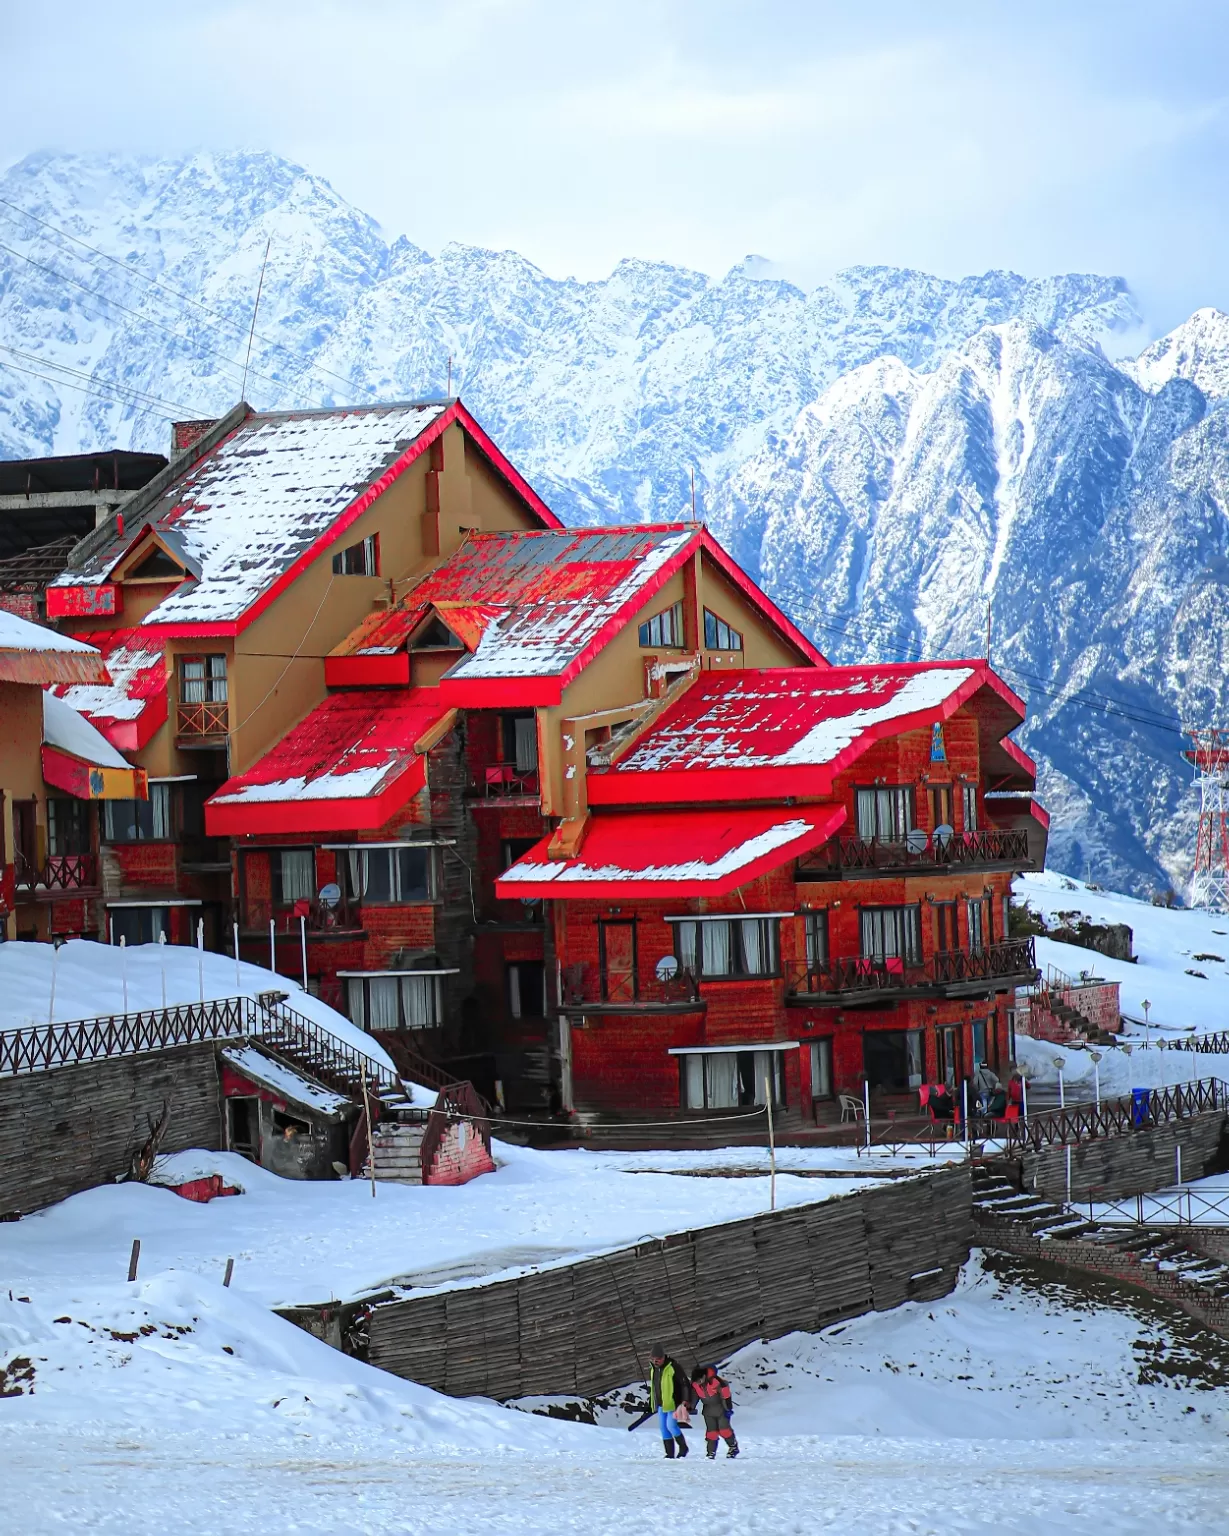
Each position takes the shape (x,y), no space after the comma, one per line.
(1209,755)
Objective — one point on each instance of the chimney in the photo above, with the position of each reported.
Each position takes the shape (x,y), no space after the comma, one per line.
(185,433)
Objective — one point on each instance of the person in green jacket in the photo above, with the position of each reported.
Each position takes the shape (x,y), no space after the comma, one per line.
(669,1389)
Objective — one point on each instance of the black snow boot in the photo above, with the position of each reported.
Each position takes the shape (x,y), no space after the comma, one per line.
(731,1448)
(668,1446)
(682,1446)
(710,1450)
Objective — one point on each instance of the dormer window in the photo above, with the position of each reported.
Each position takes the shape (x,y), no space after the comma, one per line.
(435,636)
(361,559)
(718,636)
(664,629)
(157,566)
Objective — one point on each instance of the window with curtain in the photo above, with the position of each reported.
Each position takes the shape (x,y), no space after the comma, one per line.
(294,876)
(817,941)
(821,1069)
(361,559)
(388,876)
(744,946)
(720,636)
(890,933)
(139,925)
(665,628)
(885,815)
(202,679)
(520,733)
(968,800)
(980,925)
(409,1000)
(138,821)
(731,1079)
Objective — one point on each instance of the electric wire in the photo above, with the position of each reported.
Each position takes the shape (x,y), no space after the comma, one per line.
(90,378)
(303,366)
(94,393)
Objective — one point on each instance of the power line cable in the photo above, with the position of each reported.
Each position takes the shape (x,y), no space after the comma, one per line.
(91,378)
(140,318)
(112,399)
(303,365)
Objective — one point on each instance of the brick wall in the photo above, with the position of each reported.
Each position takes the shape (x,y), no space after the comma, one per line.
(462,1156)
(74,1127)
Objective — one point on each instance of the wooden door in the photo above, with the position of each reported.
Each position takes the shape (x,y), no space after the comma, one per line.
(617,944)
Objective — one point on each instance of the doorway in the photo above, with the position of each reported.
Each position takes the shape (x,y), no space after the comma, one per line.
(243,1127)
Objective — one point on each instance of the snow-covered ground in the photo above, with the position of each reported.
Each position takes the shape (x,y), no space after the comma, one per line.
(298,1242)
(1171,944)
(175,1405)
(94,980)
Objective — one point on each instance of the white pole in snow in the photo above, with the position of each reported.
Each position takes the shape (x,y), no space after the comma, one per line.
(238,982)
(162,963)
(371,1151)
(303,948)
(123,963)
(964,1086)
(772,1149)
(200,955)
(1178,1158)
(55,950)
(1024,1098)
(1068,1173)
(866,1110)
(272,947)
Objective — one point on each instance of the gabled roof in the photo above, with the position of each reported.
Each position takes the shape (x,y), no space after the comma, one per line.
(259,504)
(671,853)
(350,765)
(80,760)
(789,730)
(533,608)
(130,707)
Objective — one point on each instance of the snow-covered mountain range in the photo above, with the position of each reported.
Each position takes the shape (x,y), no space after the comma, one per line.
(895,455)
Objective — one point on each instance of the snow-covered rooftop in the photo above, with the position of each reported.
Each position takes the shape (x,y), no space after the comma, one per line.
(134,703)
(671,853)
(250,507)
(281,1078)
(32,653)
(65,728)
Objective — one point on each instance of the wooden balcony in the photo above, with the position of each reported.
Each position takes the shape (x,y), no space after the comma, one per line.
(959,973)
(202,725)
(505,781)
(61,875)
(590,989)
(858,858)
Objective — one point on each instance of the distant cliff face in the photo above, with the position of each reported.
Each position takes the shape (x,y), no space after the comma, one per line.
(892,454)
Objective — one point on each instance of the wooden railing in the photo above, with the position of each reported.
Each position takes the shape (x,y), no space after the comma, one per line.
(38,1047)
(585,985)
(1013,960)
(1213,1044)
(60,872)
(1111,1117)
(338,1064)
(960,850)
(204,719)
(502,779)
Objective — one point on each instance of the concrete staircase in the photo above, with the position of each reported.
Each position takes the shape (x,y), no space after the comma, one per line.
(1154,1258)
(398,1153)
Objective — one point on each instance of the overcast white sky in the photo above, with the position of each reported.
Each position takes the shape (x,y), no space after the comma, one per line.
(952,136)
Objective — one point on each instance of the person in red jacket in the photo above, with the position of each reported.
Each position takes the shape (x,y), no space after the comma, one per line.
(712,1393)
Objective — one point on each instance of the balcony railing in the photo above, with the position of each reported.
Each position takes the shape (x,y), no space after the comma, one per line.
(501,780)
(589,986)
(345,916)
(61,873)
(201,720)
(851,856)
(860,974)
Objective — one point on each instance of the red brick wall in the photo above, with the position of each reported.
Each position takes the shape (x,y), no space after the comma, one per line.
(23,604)
(150,865)
(622,1061)
(457,1164)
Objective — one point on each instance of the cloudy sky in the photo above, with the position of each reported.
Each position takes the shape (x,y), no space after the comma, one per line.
(1041,135)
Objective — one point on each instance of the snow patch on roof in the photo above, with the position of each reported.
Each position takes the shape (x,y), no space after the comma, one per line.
(355,785)
(577,872)
(65,728)
(138,675)
(923,691)
(283,1080)
(246,511)
(18,634)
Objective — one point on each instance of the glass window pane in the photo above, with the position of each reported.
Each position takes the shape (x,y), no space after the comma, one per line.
(297,875)
(821,1069)
(420,1001)
(753,949)
(357,870)
(817,940)
(866,814)
(715,946)
(915,1051)
(685,945)
(412,871)
(356,997)
(526,735)
(382,1002)
(721,1078)
(380,875)
(693,1081)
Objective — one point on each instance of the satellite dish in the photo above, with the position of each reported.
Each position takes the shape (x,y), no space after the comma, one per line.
(667,968)
(944,835)
(916,840)
(330,894)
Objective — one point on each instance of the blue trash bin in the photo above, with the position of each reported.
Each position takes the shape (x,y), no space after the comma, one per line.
(1140,1106)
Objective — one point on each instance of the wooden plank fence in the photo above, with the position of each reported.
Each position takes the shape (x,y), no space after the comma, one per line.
(587,1327)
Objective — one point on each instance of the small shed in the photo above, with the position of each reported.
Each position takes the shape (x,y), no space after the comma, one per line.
(282,1119)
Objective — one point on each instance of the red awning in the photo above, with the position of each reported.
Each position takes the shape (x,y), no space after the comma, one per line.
(349,766)
(672,853)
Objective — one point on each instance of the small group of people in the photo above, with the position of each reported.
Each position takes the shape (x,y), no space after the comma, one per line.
(988,1097)
(674,1395)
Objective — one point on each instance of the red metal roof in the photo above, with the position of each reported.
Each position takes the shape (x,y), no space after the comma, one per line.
(786,731)
(533,608)
(672,854)
(350,765)
(131,707)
